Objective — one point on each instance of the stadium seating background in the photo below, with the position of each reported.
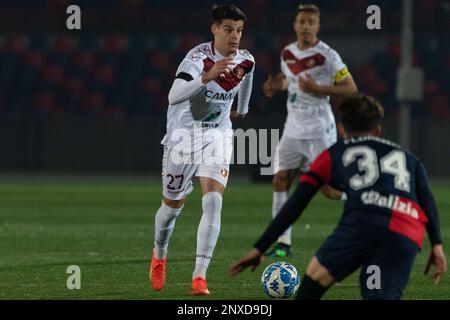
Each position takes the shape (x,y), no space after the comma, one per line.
(65,93)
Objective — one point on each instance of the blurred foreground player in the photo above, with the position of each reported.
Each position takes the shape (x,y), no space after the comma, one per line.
(198,141)
(389,207)
(311,71)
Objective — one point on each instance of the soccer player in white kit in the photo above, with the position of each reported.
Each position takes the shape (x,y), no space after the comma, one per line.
(311,71)
(198,130)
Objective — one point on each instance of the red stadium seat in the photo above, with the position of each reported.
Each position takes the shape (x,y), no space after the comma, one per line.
(64,44)
(44,102)
(74,86)
(264,62)
(84,59)
(54,73)
(150,85)
(369,76)
(438,105)
(15,43)
(104,73)
(131,5)
(431,87)
(93,101)
(394,49)
(34,59)
(116,44)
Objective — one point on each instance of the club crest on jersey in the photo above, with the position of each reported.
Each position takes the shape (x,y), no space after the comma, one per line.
(239,72)
(224,172)
(311,63)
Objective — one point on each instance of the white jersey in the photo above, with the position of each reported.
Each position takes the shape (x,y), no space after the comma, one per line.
(310,116)
(217,96)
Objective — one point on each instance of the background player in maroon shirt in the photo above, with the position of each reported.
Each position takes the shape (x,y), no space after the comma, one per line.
(389,207)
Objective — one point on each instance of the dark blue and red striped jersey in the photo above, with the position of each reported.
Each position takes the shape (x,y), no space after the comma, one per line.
(385,185)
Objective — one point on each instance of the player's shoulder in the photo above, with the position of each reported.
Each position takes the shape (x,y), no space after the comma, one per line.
(199,52)
(336,149)
(369,140)
(379,144)
(246,55)
(289,47)
(326,49)
(287,53)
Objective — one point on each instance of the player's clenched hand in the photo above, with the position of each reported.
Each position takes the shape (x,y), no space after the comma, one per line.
(437,259)
(308,84)
(268,87)
(252,259)
(220,68)
(235,116)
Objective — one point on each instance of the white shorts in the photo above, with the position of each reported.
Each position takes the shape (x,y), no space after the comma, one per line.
(299,153)
(177,175)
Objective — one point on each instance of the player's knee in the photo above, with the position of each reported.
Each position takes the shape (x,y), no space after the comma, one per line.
(317,272)
(212,207)
(280,181)
(212,203)
(174,204)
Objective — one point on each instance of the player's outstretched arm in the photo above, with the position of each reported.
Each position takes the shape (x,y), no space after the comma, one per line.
(290,212)
(437,260)
(426,200)
(428,205)
(253,259)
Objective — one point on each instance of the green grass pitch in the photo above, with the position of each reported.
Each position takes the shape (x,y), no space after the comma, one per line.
(106,228)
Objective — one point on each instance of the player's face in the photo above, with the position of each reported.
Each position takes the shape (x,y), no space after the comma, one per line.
(227,35)
(306,27)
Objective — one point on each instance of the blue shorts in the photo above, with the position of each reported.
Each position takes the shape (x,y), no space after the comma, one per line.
(361,244)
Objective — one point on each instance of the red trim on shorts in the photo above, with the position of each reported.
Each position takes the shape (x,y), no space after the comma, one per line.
(308,179)
(408,219)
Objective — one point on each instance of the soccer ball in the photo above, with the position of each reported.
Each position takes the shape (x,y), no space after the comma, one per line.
(280,280)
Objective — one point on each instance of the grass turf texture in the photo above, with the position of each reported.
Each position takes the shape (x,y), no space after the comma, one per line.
(107,230)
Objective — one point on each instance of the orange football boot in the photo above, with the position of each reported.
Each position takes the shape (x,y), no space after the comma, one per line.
(199,287)
(158,273)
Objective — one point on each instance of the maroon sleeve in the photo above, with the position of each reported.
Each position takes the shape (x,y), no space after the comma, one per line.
(320,171)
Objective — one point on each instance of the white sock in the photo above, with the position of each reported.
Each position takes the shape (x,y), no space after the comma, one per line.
(164,223)
(208,232)
(279,199)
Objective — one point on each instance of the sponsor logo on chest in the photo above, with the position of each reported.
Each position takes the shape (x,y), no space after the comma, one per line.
(222,96)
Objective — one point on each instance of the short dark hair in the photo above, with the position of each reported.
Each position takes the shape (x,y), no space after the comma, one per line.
(360,113)
(227,11)
(309,8)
